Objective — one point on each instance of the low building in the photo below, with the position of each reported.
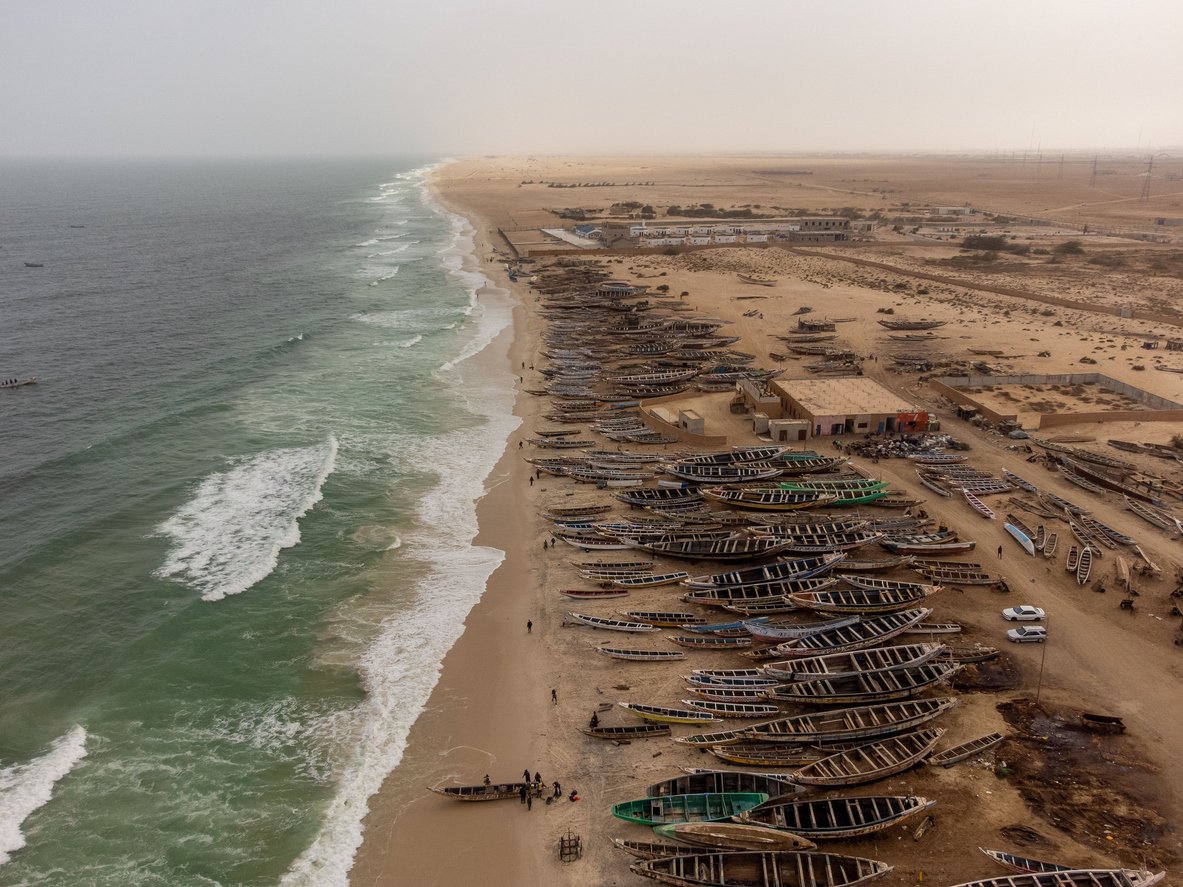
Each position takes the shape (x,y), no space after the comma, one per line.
(854,405)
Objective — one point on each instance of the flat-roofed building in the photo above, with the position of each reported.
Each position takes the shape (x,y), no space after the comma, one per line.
(851,405)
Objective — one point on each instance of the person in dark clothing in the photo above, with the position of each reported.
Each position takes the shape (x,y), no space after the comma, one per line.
(594,722)
(558,791)
(529,629)
(522,794)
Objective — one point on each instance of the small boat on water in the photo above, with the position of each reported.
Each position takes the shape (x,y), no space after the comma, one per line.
(731,836)
(641,655)
(18,383)
(958,753)
(769,869)
(873,761)
(706,807)
(630,731)
(827,819)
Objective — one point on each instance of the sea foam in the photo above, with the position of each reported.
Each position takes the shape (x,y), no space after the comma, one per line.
(228,536)
(26,787)
(401,667)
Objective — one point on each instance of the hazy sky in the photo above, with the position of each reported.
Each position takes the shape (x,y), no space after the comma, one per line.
(216,77)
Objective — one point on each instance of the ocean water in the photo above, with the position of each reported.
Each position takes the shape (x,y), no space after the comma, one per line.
(236,513)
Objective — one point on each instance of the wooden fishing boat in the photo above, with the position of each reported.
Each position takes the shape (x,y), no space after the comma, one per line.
(841,665)
(976,653)
(938,548)
(734,456)
(663,619)
(953,576)
(769,500)
(795,568)
(865,633)
(707,807)
(1019,482)
(864,600)
(829,819)
(958,753)
(723,782)
(664,715)
(715,739)
(1023,864)
(931,628)
(496,791)
(821,543)
(833,486)
(610,624)
(630,731)
(739,548)
(1150,515)
(731,677)
(865,687)
(650,580)
(1040,537)
(710,642)
(1065,878)
(732,836)
(1072,561)
(1022,538)
(610,566)
(1104,531)
(1085,566)
(593,594)
(875,760)
(764,869)
(720,474)
(763,755)
(652,849)
(978,505)
(773,606)
(1096,723)
(1049,546)
(733,709)
(761,593)
(641,655)
(935,458)
(783,631)
(875,566)
(721,693)
(757,280)
(586,509)
(861,722)
(934,484)
(874,583)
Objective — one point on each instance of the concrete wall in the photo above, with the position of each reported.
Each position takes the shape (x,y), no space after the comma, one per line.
(1153,401)
(1053,420)
(962,399)
(658,424)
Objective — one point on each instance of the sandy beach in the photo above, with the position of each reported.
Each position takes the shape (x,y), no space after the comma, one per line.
(1084,799)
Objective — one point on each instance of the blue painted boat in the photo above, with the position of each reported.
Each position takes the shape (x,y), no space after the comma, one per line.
(1022,538)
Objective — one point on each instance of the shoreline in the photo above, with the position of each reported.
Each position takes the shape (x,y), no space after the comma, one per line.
(474,688)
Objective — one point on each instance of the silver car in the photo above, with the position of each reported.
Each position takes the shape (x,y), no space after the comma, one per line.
(1027,634)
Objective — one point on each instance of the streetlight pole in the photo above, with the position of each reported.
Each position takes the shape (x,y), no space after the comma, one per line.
(1043,658)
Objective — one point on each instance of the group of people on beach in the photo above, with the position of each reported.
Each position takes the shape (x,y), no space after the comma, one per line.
(533,787)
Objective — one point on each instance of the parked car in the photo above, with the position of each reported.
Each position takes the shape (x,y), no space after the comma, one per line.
(1023,613)
(1027,634)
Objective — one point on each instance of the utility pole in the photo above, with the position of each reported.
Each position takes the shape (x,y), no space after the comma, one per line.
(1146,179)
(1042,659)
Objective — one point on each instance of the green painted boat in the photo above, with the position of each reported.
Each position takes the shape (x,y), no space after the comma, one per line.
(707,807)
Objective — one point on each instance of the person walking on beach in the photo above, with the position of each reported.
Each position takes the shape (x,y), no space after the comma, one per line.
(558,791)
(531,481)
(522,794)
(488,781)
(1000,552)
(554,696)
(525,776)
(530,629)
(538,780)
(594,722)
(529,803)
